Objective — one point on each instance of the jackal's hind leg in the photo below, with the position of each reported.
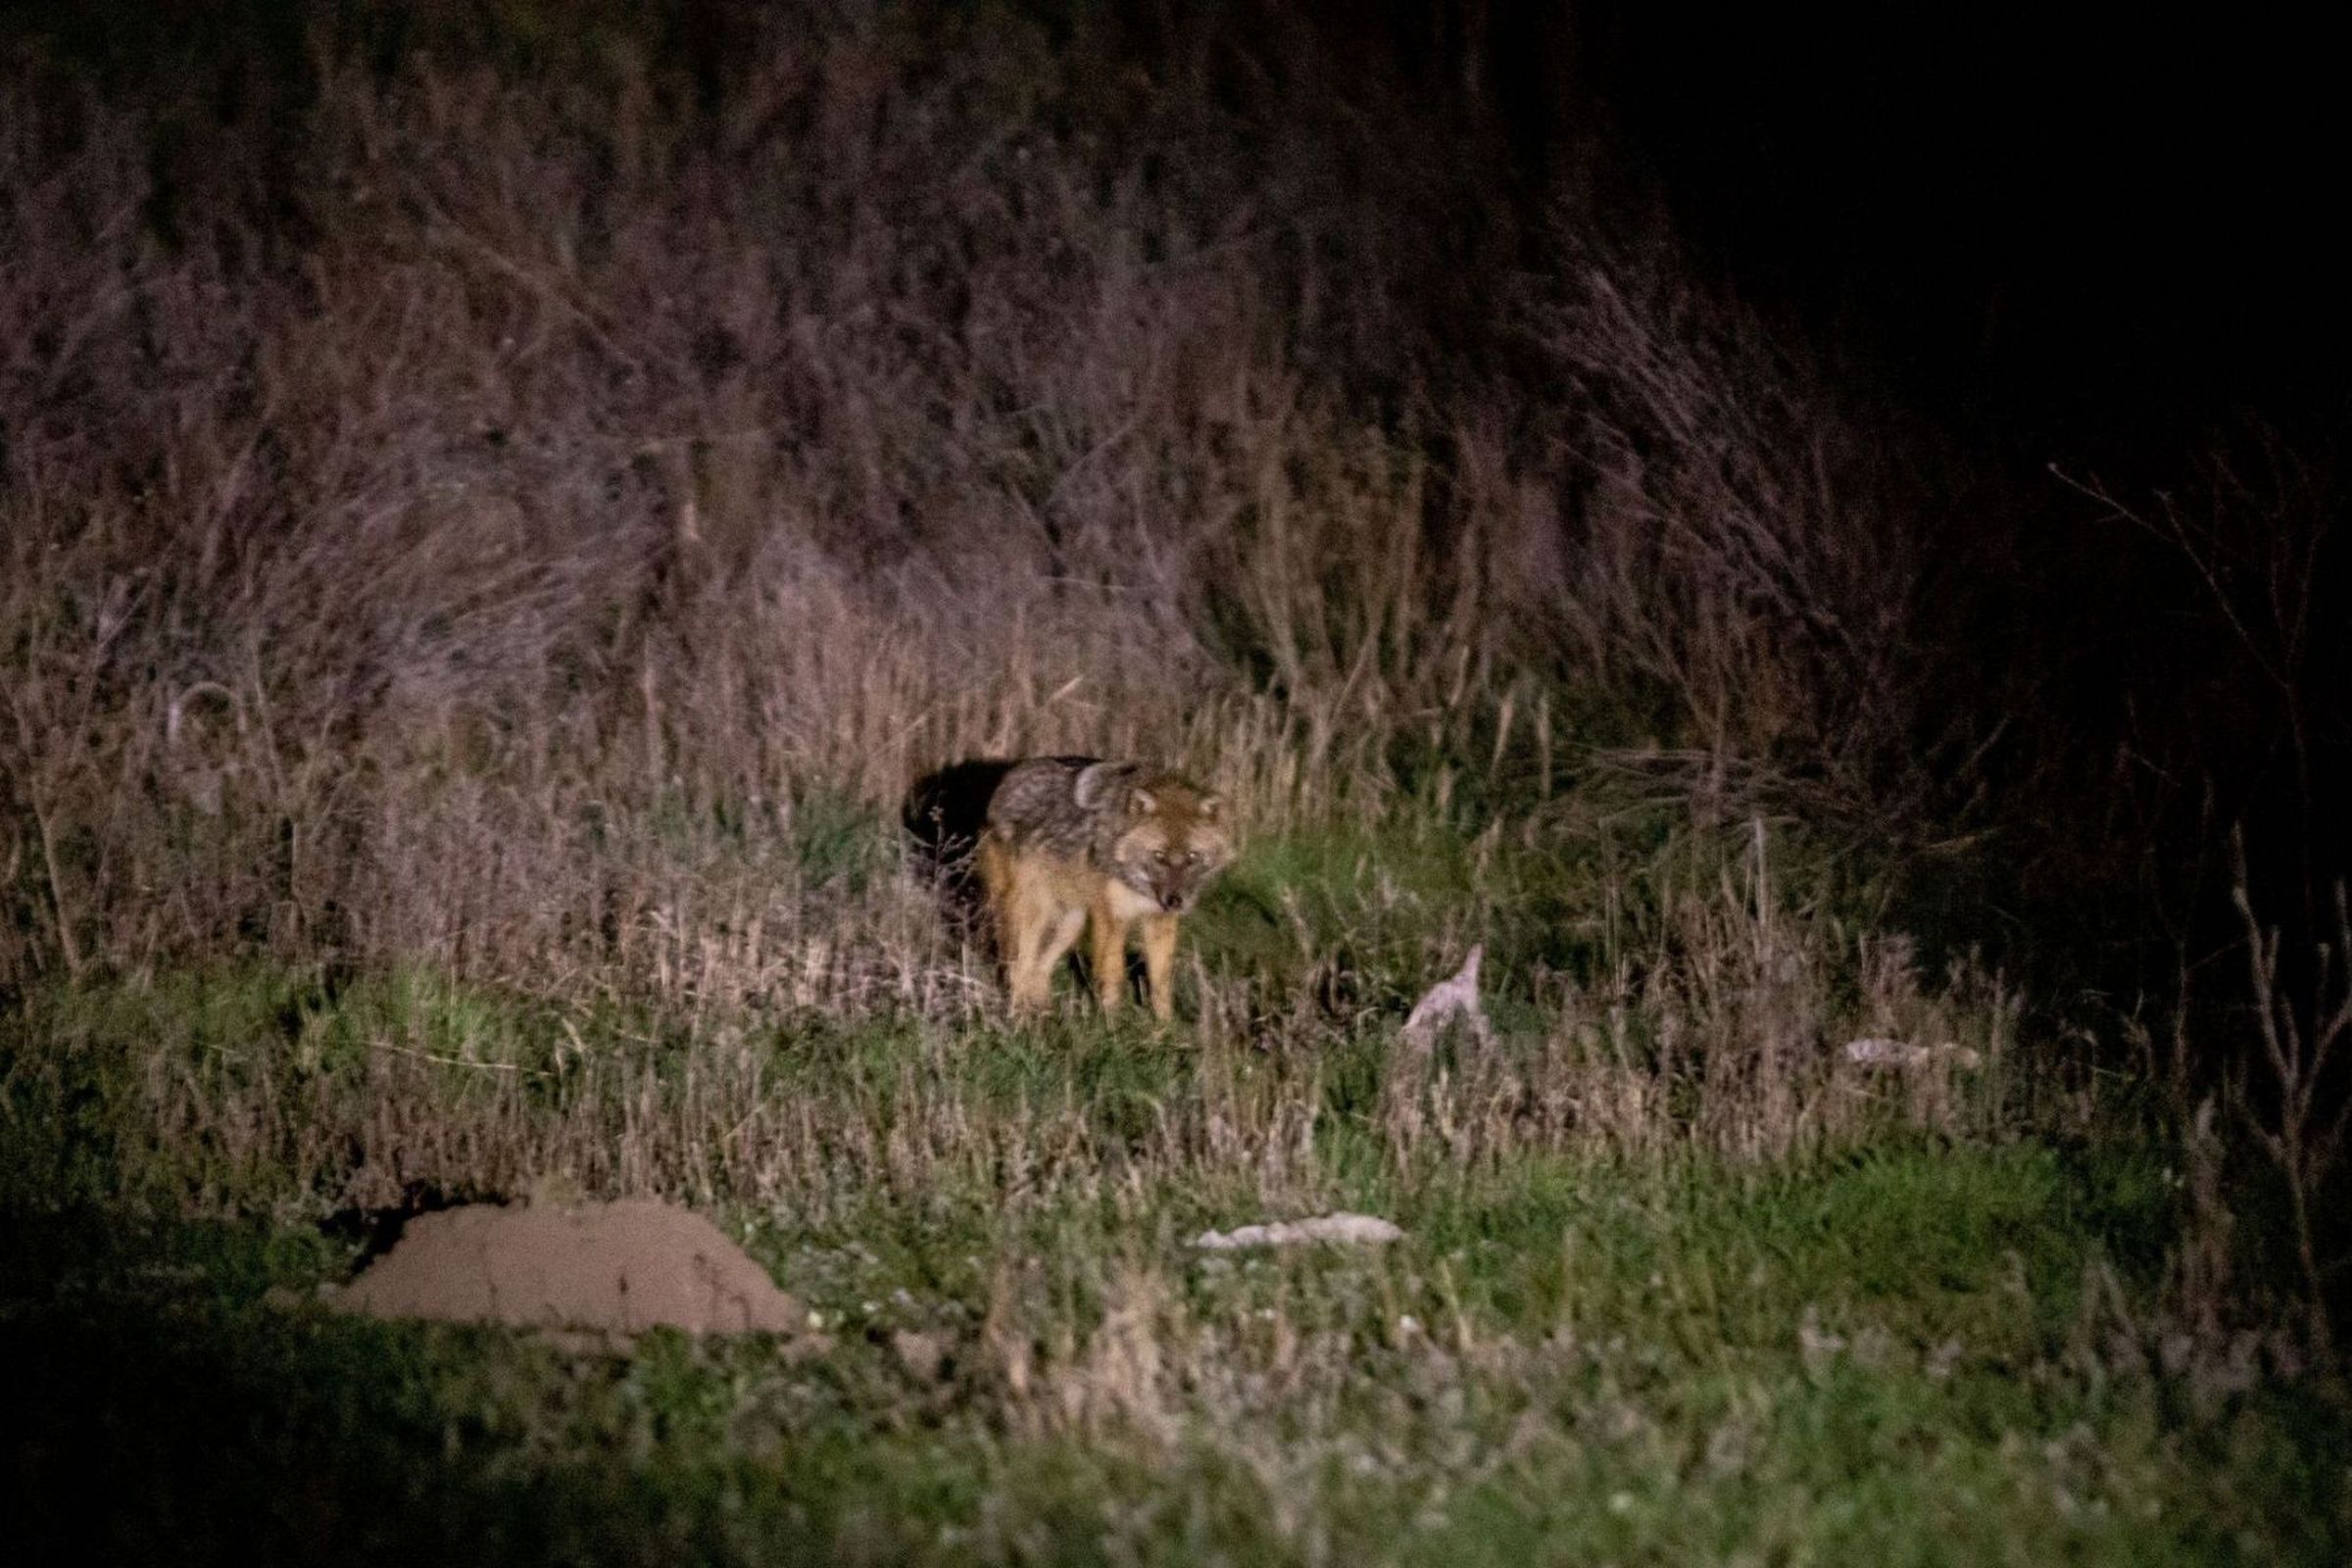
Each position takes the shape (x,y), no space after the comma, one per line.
(991,861)
(1033,930)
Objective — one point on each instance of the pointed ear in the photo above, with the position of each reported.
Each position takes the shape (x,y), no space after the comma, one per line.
(1142,803)
(1212,807)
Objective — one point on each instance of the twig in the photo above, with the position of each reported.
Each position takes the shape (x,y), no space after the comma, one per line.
(461,1061)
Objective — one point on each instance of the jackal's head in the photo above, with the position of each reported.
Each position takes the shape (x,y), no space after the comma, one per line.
(1171,838)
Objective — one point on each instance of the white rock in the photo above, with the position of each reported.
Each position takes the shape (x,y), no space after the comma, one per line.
(1906,1053)
(1361,1229)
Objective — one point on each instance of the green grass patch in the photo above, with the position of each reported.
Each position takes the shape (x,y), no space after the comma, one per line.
(1886,1355)
(1901,1343)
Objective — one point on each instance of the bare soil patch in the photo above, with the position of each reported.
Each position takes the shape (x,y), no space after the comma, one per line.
(620,1267)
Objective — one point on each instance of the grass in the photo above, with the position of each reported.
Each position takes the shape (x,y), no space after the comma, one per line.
(1931,1330)
(1917,1351)
(1677,1284)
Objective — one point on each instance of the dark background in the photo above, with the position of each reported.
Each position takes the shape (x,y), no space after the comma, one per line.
(2081,228)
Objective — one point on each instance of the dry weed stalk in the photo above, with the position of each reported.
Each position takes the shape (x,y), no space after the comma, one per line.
(2303,1131)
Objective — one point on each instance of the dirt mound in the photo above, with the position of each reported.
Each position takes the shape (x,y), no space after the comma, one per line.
(617,1267)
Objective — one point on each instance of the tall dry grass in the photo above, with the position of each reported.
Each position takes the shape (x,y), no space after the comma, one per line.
(470,524)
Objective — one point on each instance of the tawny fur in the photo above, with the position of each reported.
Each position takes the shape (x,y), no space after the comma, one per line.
(1115,849)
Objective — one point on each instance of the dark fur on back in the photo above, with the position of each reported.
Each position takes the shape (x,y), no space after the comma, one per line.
(1056,805)
(1147,829)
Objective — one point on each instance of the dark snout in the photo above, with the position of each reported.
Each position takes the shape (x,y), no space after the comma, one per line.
(1173,899)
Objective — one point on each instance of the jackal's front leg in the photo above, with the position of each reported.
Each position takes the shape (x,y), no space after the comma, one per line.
(1159,963)
(1106,940)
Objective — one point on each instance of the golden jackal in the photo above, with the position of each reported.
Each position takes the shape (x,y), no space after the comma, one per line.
(1072,841)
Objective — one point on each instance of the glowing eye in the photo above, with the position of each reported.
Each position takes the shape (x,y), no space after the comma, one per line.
(1191,856)
(1161,856)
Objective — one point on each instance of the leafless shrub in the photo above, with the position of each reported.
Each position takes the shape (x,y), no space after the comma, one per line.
(1744,550)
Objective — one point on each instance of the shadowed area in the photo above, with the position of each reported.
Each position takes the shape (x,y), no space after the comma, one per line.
(943,817)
